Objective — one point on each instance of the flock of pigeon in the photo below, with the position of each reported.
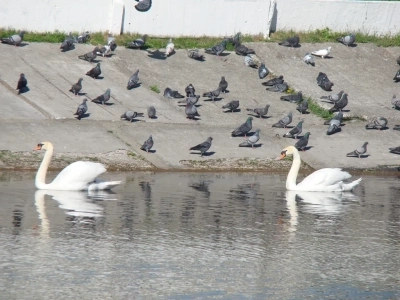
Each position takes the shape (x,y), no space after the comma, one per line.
(251,59)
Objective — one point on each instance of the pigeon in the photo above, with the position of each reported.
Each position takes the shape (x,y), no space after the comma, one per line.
(191,111)
(194,53)
(130,115)
(148,144)
(309,60)
(302,107)
(213,94)
(262,71)
(285,121)
(244,128)
(76,88)
(15,39)
(398,60)
(170,48)
(323,52)
(295,131)
(359,152)
(170,94)
(252,60)
(82,109)
(334,123)
(68,43)
(191,99)
(347,40)
(295,98)
(151,112)
(105,50)
(259,111)
(103,98)
(190,90)
(278,87)
(396,127)
(395,150)
(291,42)
(203,147)
(396,77)
(218,48)
(303,142)
(273,81)
(251,140)
(338,116)
(83,38)
(112,44)
(235,39)
(232,105)
(342,103)
(94,72)
(242,49)
(377,123)
(133,80)
(90,56)
(22,83)
(324,82)
(334,97)
(395,102)
(138,43)
(143,5)
(223,84)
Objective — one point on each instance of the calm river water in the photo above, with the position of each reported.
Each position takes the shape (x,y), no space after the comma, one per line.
(199,236)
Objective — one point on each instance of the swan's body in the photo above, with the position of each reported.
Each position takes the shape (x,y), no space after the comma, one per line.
(323,180)
(78,176)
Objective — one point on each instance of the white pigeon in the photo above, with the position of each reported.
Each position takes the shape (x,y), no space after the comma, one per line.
(323,52)
(105,50)
(170,48)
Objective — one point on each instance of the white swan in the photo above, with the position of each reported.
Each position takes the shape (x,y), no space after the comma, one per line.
(323,180)
(78,176)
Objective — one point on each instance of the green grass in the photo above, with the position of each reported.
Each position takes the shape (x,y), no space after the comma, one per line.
(155,89)
(316,36)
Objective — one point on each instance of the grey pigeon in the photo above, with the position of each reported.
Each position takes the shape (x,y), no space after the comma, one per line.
(295,131)
(82,109)
(235,39)
(347,40)
(218,48)
(334,124)
(68,43)
(22,83)
(213,94)
(203,147)
(251,140)
(103,98)
(76,88)
(396,127)
(396,77)
(334,97)
(273,81)
(170,94)
(302,107)
(324,82)
(223,84)
(148,144)
(309,59)
(338,116)
(111,43)
(190,90)
(83,38)
(303,142)
(242,49)
(138,43)
(395,102)
(259,111)
(252,60)
(143,5)
(130,115)
(262,71)
(279,87)
(395,150)
(195,54)
(294,98)
(133,80)
(285,121)
(105,50)
(151,112)
(15,39)
(359,152)
(191,111)
(192,99)
(291,42)
(90,56)
(232,105)
(244,128)
(377,123)
(342,103)
(398,60)
(94,72)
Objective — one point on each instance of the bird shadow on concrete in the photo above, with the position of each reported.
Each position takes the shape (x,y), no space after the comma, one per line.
(254,146)
(230,111)
(361,156)
(193,119)
(244,135)
(151,151)
(24,90)
(83,116)
(105,104)
(215,99)
(98,77)
(155,117)
(205,154)
(305,113)
(157,54)
(135,86)
(307,148)
(23,44)
(385,128)
(226,92)
(131,121)
(256,116)
(81,94)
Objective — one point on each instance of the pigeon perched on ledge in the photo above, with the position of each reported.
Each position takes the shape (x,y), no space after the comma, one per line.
(195,54)
(133,80)
(291,42)
(213,94)
(138,43)
(203,147)
(323,52)
(130,115)
(76,88)
(81,110)
(259,111)
(170,94)
(295,131)
(285,121)
(148,144)
(15,39)
(232,105)
(358,152)
(251,140)
(377,123)
(103,98)
(273,81)
(347,40)
(244,128)
(309,60)
(151,112)
(22,83)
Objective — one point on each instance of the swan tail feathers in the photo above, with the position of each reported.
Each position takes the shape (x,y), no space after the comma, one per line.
(351,185)
(105,185)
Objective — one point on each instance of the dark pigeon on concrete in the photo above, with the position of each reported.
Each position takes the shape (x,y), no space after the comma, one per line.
(148,144)
(190,90)
(83,38)
(358,152)
(223,84)
(291,42)
(302,107)
(342,103)
(273,81)
(396,77)
(309,59)
(232,105)
(203,147)
(395,102)
(192,99)
(102,99)
(244,128)
(279,88)
(151,112)
(15,39)
(396,127)
(130,115)
(213,94)
(294,98)
(195,54)
(82,109)
(259,111)
(334,124)
(170,94)
(76,88)
(334,97)
(398,60)
(138,43)
(22,83)
(324,82)
(251,140)
(191,111)
(242,49)
(262,71)
(90,56)
(285,121)
(377,123)
(395,150)
(303,142)
(295,131)
(347,40)
(338,116)
(68,43)
(133,80)
(218,48)
(143,5)
(94,72)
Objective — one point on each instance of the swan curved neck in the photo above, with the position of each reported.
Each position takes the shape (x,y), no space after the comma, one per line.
(294,171)
(40,180)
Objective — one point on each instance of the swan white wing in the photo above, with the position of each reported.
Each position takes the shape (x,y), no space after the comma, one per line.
(79,172)
(325,177)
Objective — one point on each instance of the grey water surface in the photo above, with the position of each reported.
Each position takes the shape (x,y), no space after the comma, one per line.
(199,236)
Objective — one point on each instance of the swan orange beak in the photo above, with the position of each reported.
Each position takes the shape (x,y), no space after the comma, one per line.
(282,156)
(39,147)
